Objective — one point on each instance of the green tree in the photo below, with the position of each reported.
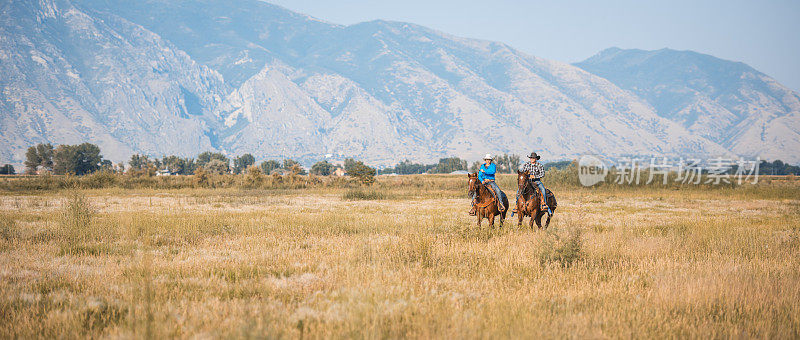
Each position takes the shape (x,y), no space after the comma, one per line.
(288,163)
(178,165)
(88,158)
(322,168)
(64,160)
(557,165)
(776,167)
(76,159)
(205,157)
(141,165)
(507,163)
(448,165)
(217,166)
(106,165)
(293,166)
(32,160)
(362,172)
(7,169)
(241,163)
(407,167)
(39,155)
(268,166)
(139,162)
(45,152)
(350,164)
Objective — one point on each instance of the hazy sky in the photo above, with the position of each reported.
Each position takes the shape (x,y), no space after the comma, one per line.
(764,34)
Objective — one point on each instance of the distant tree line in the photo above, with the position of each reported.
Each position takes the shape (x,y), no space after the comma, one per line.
(506,164)
(7,169)
(86,158)
(65,159)
(556,165)
(777,167)
(444,166)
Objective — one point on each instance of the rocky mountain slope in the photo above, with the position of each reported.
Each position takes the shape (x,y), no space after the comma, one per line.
(727,102)
(69,77)
(182,77)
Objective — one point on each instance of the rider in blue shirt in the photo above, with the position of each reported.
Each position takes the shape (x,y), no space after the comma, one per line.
(487,171)
(486,176)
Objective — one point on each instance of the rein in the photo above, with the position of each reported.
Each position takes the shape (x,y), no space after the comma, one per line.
(481,191)
(528,188)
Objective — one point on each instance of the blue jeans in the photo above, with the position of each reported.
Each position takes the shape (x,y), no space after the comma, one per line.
(498,193)
(535,182)
(539,183)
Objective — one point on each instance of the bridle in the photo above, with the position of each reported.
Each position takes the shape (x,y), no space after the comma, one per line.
(474,186)
(528,184)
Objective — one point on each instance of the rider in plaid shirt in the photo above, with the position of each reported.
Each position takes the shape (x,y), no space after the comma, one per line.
(535,170)
(536,173)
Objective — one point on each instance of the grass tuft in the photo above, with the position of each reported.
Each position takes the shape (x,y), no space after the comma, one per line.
(364,195)
(564,251)
(77,212)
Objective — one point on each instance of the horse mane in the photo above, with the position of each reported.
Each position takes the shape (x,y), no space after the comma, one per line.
(529,187)
(482,189)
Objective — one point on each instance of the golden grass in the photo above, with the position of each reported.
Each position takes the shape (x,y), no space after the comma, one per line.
(397,261)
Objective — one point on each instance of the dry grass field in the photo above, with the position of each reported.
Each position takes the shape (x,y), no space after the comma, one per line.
(396,261)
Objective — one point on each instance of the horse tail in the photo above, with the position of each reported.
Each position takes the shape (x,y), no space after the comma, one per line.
(551,199)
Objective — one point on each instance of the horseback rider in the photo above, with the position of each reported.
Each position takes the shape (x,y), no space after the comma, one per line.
(486,176)
(535,174)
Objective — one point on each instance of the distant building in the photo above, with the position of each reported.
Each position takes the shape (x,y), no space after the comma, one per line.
(280,171)
(164,172)
(339,172)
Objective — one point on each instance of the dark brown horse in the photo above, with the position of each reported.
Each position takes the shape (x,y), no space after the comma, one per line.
(529,201)
(486,205)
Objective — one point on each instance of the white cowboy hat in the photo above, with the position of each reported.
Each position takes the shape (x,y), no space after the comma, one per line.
(488,156)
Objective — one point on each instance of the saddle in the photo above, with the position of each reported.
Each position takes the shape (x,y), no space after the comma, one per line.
(543,199)
(498,199)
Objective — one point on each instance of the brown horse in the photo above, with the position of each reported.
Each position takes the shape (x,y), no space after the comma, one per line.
(528,203)
(486,205)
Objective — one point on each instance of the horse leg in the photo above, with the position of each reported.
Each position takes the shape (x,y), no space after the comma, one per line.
(533,217)
(539,219)
(503,213)
(547,224)
(479,215)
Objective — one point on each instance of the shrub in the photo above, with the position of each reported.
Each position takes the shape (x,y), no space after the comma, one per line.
(563,251)
(6,227)
(361,194)
(363,173)
(76,215)
(268,166)
(322,168)
(217,166)
(254,177)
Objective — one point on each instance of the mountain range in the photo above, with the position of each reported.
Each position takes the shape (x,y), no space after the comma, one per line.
(163,77)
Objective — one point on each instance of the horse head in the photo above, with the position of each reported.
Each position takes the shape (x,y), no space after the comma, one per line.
(473,183)
(522,179)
